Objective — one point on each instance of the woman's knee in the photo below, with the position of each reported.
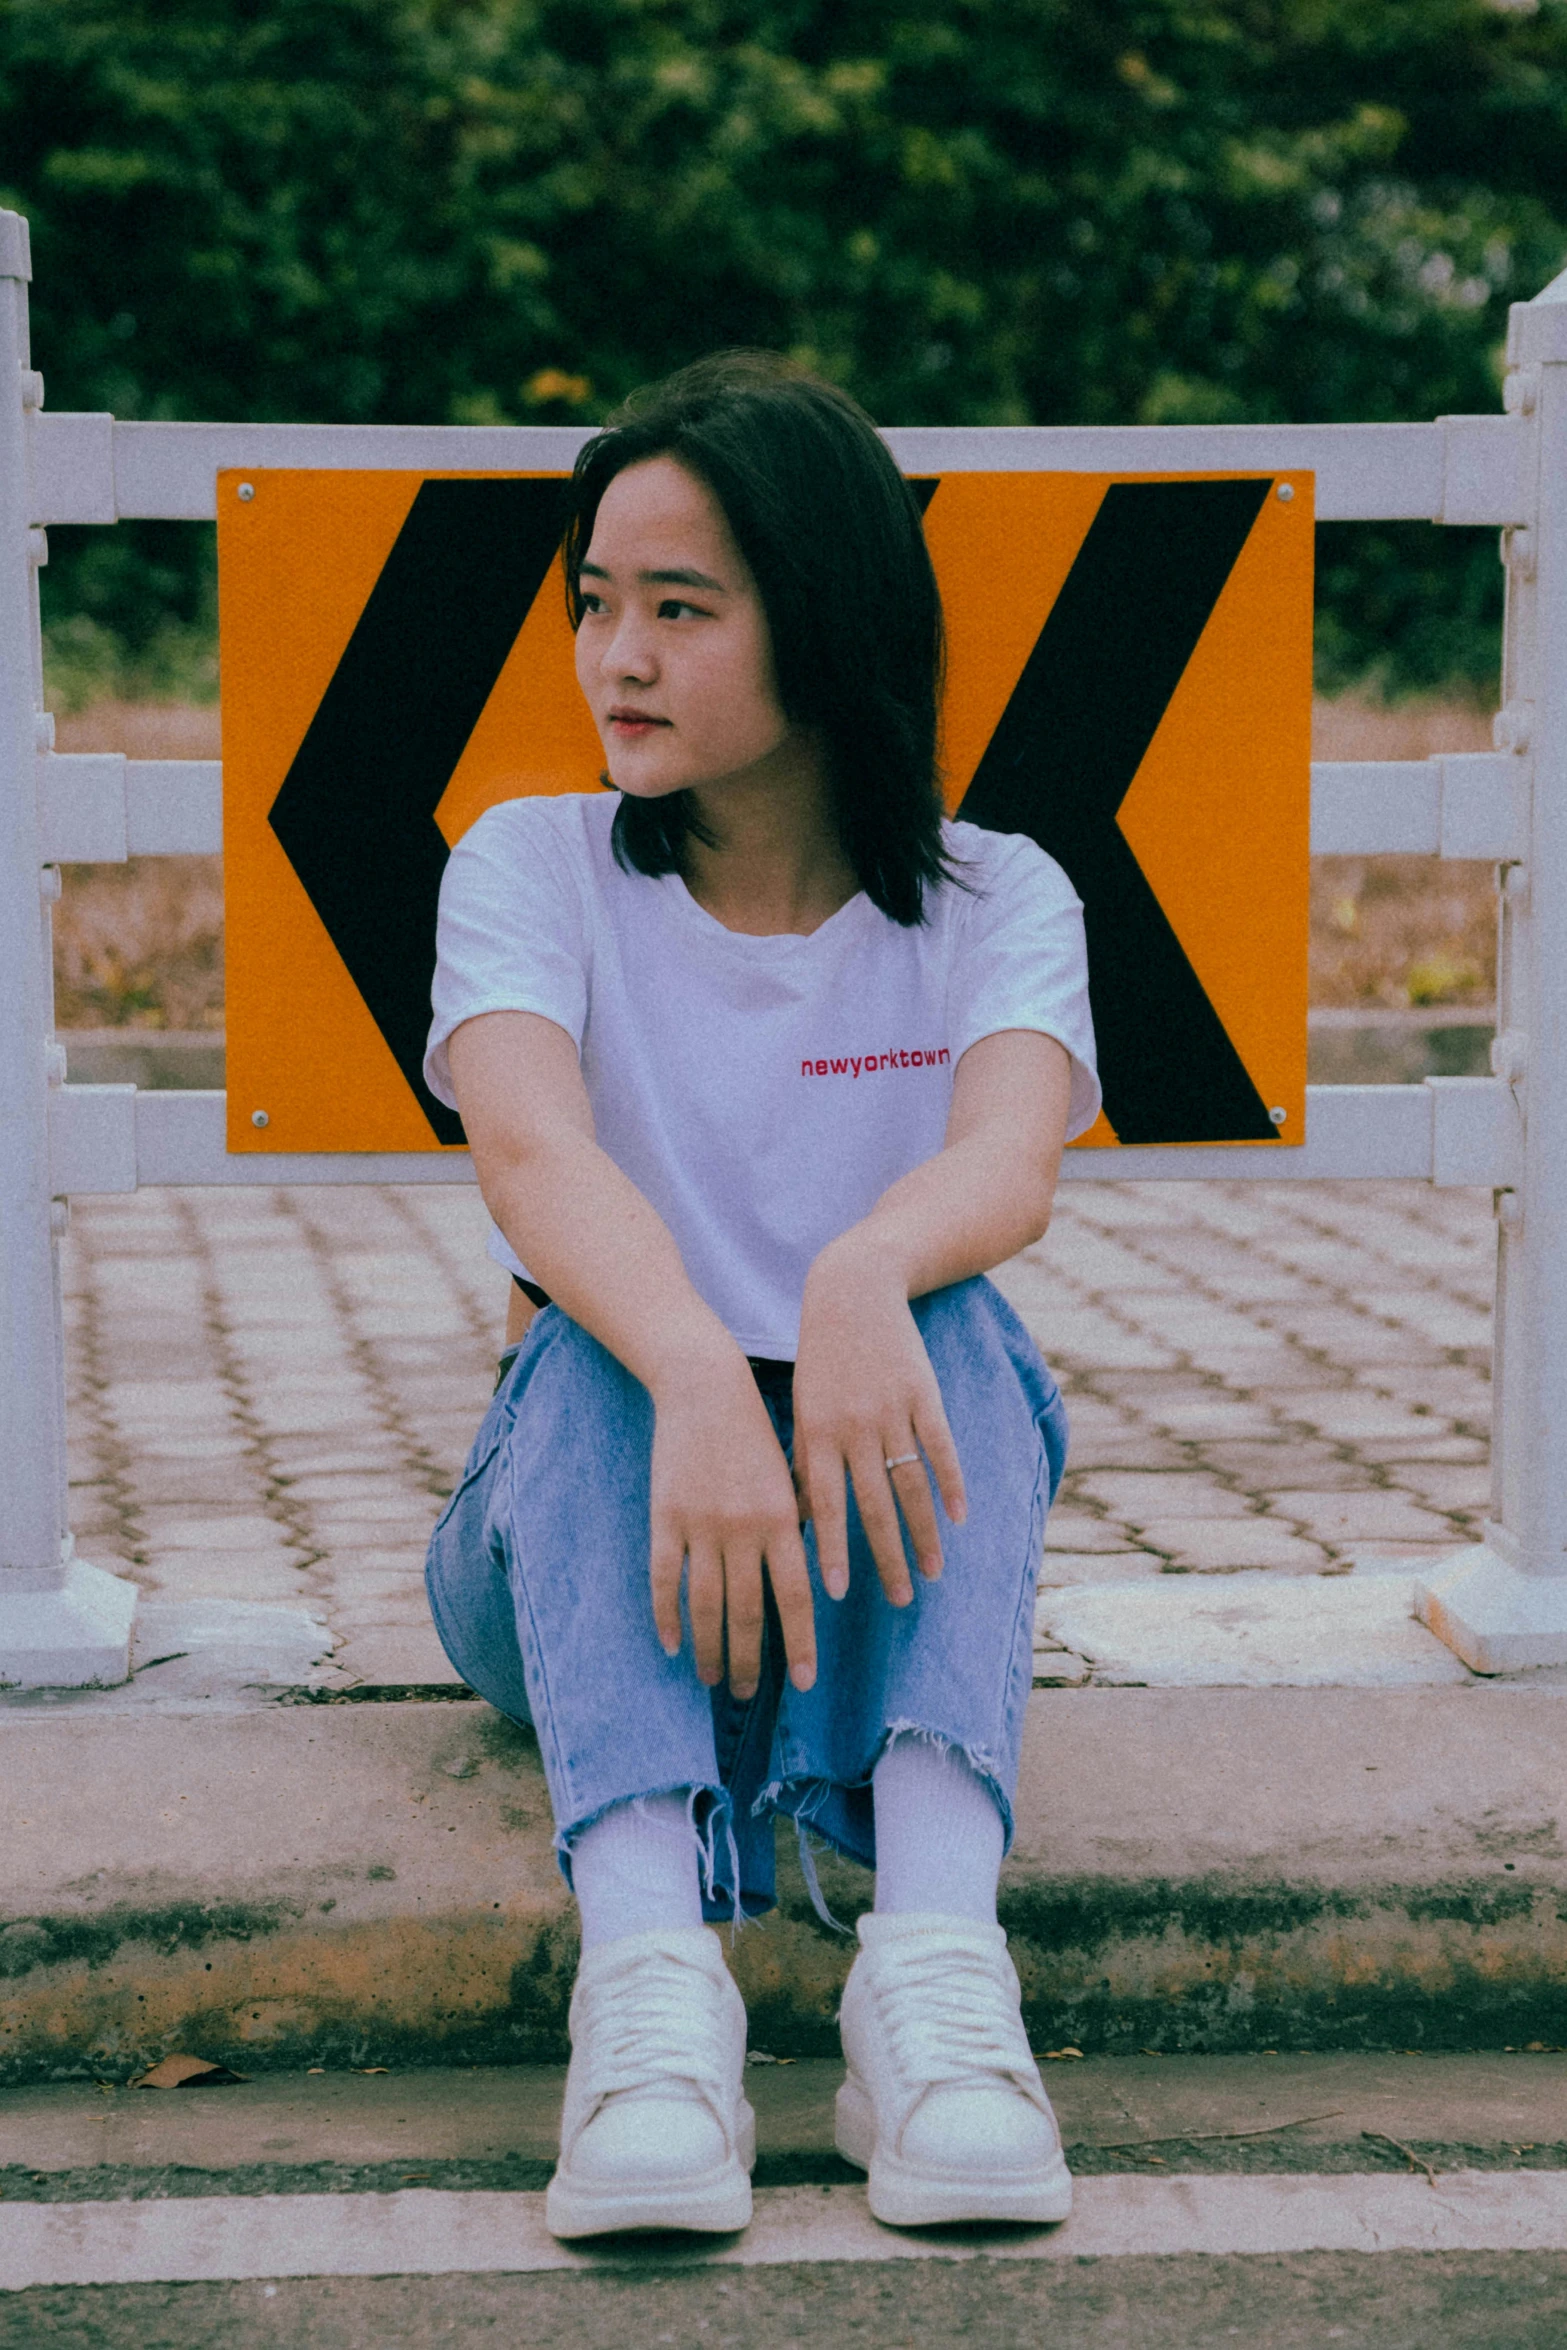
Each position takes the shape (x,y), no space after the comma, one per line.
(581,1425)
(978,1346)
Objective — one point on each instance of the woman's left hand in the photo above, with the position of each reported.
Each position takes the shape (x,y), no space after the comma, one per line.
(865,1396)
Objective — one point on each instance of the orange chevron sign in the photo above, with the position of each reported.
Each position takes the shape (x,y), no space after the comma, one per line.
(1129,681)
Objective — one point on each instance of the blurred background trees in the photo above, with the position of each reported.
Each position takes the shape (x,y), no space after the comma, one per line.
(967,211)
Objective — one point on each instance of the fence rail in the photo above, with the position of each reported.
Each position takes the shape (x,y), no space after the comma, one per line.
(1503,1604)
(1448,1131)
(1460,469)
(98,807)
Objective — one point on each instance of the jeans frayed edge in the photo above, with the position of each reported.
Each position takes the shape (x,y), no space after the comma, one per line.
(979,1759)
(813,1883)
(804,1815)
(705,1839)
(773,1797)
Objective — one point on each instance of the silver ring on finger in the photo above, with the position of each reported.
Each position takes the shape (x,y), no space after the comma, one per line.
(902,1461)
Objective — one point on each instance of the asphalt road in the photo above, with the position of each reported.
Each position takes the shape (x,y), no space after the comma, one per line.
(1423,2301)
(1364,2128)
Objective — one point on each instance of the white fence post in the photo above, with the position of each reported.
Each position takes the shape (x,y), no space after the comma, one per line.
(63,1624)
(1502,1605)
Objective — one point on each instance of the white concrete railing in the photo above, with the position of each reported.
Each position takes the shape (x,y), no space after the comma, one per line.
(1474,469)
(1503,1604)
(98,807)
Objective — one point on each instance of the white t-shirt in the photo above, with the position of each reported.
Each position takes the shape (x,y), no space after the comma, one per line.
(762,1093)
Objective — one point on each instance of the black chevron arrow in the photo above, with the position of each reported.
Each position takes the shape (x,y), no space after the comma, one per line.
(356,812)
(1062,759)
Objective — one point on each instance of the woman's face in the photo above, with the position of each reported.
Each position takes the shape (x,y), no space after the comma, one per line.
(673,651)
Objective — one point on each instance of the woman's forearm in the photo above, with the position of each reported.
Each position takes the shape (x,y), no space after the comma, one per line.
(580,1226)
(605,1256)
(960,1213)
(989,1191)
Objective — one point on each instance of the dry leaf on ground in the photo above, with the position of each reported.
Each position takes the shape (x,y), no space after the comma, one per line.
(187,2072)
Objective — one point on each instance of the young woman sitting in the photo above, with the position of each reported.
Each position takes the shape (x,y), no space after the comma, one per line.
(764,1063)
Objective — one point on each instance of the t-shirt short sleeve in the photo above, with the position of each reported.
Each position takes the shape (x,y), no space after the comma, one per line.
(1022,961)
(510,934)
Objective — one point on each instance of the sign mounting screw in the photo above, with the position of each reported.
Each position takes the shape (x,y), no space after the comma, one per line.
(1278,1116)
(259,1118)
(1284,492)
(246,491)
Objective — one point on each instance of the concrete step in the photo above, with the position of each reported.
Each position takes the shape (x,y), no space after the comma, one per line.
(497,2127)
(369,1883)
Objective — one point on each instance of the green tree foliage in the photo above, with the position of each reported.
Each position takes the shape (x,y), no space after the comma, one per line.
(968,211)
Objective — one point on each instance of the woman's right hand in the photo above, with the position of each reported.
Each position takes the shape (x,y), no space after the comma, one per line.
(724,1508)
(722,1495)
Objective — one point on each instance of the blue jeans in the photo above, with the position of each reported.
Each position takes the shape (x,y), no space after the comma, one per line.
(538,1583)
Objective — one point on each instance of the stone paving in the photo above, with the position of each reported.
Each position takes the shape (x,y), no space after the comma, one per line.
(270,1391)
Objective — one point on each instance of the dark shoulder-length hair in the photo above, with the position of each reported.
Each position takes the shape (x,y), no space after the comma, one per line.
(833,536)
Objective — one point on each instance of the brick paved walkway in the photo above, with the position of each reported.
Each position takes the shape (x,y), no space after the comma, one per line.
(270,1391)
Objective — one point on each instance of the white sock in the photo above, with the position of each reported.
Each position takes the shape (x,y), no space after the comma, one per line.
(938,1833)
(636,1870)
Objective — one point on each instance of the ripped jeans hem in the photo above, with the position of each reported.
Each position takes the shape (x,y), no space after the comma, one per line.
(802,1798)
(719,1902)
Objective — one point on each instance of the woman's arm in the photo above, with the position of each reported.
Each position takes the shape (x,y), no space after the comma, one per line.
(864,1389)
(581,1227)
(721,1493)
(989,1190)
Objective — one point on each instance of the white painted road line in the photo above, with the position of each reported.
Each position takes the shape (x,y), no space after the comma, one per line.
(426,2232)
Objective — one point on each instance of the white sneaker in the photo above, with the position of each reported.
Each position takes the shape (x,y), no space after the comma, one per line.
(655,2132)
(943,2104)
